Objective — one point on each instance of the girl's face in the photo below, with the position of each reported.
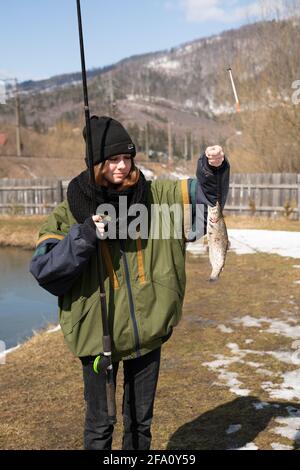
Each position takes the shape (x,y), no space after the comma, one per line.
(117,168)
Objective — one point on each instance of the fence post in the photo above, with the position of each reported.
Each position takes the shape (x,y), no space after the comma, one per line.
(59,192)
(298,182)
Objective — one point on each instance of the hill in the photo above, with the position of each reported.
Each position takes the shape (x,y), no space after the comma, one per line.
(188,87)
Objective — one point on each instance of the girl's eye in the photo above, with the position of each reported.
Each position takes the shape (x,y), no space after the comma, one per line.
(116,160)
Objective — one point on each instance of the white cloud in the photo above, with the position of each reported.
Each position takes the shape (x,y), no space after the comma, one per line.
(231,11)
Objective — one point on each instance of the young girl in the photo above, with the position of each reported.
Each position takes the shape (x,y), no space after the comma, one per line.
(144,274)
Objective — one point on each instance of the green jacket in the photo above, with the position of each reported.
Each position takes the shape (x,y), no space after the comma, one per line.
(144,279)
(144,285)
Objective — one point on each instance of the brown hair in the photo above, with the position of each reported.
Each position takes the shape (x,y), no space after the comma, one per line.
(130,180)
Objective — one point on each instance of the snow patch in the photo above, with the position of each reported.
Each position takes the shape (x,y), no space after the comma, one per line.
(288,390)
(177,175)
(225,329)
(233,346)
(278,446)
(248,446)
(164,63)
(289,357)
(265,372)
(281,327)
(260,241)
(53,330)
(265,241)
(3,354)
(189,103)
(290,428)
(198,248)
(213,39)
(147,173)
(248,321)
(253,364)
(225,377)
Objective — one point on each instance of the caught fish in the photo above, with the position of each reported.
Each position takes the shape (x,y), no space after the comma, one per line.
(217,240)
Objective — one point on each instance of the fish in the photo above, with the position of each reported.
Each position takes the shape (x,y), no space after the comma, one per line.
(217,239)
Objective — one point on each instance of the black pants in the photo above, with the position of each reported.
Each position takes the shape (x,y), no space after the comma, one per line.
(140,381)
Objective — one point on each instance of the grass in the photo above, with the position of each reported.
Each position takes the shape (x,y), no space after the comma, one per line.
(41,388)
(262,223)
(20,231)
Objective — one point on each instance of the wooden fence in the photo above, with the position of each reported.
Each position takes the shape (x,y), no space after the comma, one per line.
(264,194)
(31,196)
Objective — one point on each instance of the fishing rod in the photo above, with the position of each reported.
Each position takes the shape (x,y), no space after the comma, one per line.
(103,362)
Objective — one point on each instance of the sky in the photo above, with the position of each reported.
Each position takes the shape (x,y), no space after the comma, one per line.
(39,38)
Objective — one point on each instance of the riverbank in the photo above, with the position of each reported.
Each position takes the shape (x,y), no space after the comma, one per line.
(21,231)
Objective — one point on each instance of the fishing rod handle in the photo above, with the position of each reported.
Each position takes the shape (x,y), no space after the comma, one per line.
(106,345)
(111,397)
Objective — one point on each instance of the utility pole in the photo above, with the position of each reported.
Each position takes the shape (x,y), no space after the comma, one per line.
(147,84)
(170,145)
(147,140)
(18,132)
(185,147)
(111,94)
(192,147)
(2,92)
(189,145)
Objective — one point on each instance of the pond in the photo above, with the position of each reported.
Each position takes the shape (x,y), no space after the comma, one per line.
(24,306)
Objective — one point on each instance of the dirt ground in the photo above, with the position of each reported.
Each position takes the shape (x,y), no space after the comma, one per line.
(229,377)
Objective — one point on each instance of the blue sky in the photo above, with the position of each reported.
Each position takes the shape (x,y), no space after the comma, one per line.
(39,38)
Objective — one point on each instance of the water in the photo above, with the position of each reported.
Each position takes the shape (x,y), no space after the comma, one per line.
(24,306)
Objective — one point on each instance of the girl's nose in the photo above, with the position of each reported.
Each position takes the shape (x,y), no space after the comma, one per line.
(121,164)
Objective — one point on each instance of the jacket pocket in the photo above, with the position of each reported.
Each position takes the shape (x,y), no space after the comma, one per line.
(158,307)
(76,312)
(170,284)
(170,304)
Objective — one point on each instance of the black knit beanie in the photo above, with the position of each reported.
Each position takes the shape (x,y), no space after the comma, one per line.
(109,138)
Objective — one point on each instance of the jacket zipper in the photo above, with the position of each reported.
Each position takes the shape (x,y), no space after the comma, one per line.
(131,304)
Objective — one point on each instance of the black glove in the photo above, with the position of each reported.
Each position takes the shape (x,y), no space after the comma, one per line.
(88,230)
